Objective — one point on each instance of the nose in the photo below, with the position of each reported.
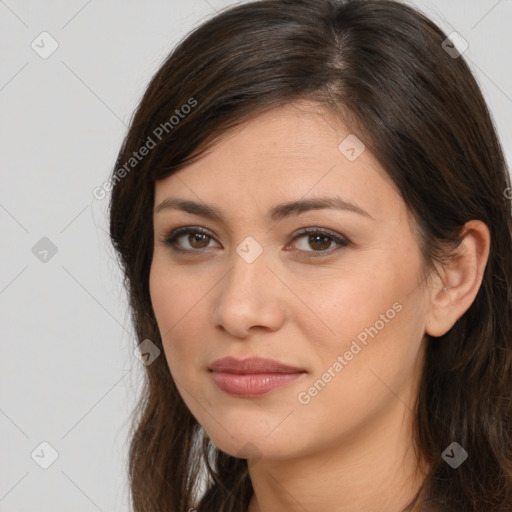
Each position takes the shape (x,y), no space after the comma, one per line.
(249,298)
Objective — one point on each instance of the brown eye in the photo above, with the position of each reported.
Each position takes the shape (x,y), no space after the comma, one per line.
(188,239)
(317,242)
(198,240)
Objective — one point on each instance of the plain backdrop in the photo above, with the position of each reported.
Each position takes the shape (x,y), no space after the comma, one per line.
(68,374)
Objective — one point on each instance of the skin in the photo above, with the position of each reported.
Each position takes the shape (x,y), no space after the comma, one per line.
(350,448)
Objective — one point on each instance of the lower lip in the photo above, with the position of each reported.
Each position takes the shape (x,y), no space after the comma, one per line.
(254,384)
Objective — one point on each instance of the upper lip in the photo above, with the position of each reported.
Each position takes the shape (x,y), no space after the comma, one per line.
(252,365)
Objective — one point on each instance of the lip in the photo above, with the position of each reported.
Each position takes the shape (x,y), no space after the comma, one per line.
(252,376)
(252,365)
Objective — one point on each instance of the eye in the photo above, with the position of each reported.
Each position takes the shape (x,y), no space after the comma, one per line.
(196,237)
(320,240)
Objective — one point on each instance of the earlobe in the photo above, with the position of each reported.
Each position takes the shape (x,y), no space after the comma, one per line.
(454,291)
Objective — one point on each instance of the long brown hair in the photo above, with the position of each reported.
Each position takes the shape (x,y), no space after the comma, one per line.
(386,71)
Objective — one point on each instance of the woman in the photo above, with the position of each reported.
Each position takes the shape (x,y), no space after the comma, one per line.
(311,211)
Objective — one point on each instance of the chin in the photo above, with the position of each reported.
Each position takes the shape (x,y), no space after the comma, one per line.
(245,445)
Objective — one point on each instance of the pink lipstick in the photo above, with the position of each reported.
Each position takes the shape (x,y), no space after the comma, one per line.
(253,376)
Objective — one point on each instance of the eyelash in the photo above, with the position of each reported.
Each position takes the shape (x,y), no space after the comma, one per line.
(170,240)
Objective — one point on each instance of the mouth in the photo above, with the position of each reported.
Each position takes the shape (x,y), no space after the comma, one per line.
(252,377)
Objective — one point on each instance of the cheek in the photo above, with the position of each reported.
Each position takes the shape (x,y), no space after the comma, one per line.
(179,311)
(341,304)
(354,382)
(173,291)
(172,299)
(368,316)
(162,290)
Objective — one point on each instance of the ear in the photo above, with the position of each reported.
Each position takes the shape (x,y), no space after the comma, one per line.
(454,291)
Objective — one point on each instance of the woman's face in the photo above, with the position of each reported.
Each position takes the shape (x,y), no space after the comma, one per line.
(343,305)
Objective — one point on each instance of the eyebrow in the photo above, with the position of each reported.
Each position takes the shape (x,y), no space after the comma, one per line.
(276,214)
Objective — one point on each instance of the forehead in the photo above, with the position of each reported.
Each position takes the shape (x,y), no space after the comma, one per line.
(284,154)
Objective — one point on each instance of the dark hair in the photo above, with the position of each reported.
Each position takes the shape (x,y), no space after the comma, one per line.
(382,68)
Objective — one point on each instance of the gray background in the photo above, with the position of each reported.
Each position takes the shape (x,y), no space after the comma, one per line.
(68,375)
